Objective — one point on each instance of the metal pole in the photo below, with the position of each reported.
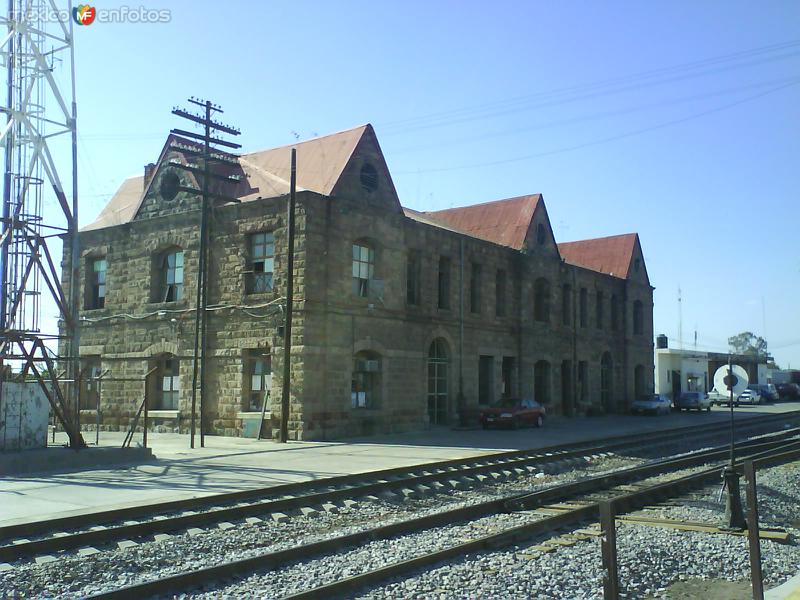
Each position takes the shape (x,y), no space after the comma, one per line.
(756,576)
(99,383)
(608,544)
(734,514)
(7,177)
(72,323)
(197,364)
(733,437)
(146,394)
(287,331)
(204,249)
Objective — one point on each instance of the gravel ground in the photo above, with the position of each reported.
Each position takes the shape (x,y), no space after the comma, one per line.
(481,576)
(652,560)
(73,575)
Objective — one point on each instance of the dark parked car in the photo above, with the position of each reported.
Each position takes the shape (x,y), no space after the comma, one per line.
(656,404)
(788,390)
(768,392)
(693,400)
(513,412)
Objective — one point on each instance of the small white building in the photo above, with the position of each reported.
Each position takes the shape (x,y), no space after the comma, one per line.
(681,371)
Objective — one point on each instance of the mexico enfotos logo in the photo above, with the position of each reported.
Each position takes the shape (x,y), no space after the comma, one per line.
(86,14)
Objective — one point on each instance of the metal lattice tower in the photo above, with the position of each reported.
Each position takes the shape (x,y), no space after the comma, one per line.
(40,114)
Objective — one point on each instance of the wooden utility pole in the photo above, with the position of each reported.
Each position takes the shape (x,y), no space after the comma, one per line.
(287,328)
(207,154)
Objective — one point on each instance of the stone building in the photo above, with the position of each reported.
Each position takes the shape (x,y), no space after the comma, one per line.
(402,319)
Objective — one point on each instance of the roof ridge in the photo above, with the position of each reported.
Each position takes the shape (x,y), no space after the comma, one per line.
(535,195)
(308,141)
(604,237)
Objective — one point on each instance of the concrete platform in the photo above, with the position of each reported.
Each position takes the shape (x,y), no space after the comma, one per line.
(229,464)
(56,459)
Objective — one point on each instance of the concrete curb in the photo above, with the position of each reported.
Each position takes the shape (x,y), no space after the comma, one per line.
(60,460)
(786,591)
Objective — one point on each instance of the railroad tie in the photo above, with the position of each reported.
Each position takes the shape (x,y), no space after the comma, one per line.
(279,517)
(5,567)
(44,559)
(308,511)
(253,520)
(88,551)
(225,525)
(195,531)
(349,503)
(162,537)
(424,490)
(408,494)
(125,544)
(331,509)
(438,486)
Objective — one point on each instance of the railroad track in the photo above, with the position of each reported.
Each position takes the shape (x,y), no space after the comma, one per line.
(123,526)
(607,485)
(158,520)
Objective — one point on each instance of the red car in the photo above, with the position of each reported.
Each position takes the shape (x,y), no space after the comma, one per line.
(513,412)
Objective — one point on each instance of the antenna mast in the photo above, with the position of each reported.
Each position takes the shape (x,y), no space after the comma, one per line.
(40,116)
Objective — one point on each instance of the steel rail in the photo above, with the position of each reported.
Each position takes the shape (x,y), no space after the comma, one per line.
(276,559)
(623,503)
(20,549)
(352,481)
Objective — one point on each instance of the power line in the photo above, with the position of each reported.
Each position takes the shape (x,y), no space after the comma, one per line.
(593,116)
(589,91)
(606,139)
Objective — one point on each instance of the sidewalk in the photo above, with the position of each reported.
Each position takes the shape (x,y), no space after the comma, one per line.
(230,464)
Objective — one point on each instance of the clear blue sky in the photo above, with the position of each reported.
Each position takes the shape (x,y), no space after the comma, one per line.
(678,120)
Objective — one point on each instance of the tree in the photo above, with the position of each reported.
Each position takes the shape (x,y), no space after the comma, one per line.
(748,343)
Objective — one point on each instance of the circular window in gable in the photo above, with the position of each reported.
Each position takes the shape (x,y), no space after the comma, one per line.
(369,178)
(169,186)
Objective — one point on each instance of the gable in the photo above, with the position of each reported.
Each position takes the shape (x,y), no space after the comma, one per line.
(521,223)
(366,176)
(539,238)
(637,270)
(612,255)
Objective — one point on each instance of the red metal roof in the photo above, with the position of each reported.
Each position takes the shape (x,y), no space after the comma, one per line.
(611,255)
(503,222)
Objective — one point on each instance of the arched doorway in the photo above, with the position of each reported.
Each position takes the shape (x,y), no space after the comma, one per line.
(606,382)
(438,383)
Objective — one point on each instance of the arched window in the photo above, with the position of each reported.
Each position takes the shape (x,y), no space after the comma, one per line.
(541,300)
(438,361)
(363,268)
(638,318)
(541,382)
(167,382)
(606,381)
(365,388)
(639,388)
(169,276)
